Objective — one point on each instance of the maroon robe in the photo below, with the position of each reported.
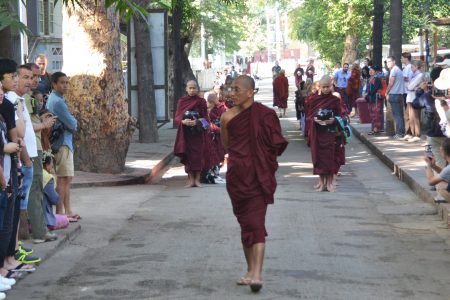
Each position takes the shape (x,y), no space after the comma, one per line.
(255,141)
(322,139)
(190,141)
(340,140)
(280,91)
(217,149)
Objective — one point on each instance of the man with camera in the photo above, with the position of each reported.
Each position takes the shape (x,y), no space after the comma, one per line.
(442,180)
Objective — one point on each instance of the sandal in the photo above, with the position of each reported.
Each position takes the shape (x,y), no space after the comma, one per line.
(23,268)
(256,286)
(244,281)
(74,216)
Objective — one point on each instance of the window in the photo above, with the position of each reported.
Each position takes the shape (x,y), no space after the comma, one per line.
(57,51)
(56,65)
(46,16)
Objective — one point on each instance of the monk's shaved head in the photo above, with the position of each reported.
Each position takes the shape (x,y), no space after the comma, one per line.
(325,80)
(247,81)
(192,82)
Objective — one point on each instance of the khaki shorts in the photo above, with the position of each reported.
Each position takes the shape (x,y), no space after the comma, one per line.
(64,162)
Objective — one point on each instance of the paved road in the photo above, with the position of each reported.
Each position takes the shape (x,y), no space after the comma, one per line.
(372,239)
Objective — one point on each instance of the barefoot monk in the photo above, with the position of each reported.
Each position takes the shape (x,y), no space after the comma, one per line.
(190,140)
(252,135)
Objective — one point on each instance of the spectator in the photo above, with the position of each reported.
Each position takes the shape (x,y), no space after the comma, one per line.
(434,74)
(442,180)
(35,203)
(375,101)
(412,122)
(45,81)
(298,74)
(64,169)
(310,70)
(407,72)
(341,80)
(394,93)
(233,73)
(276,70)
(51,197)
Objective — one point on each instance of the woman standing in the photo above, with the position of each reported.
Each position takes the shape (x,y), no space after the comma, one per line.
(374,100)
(412,121)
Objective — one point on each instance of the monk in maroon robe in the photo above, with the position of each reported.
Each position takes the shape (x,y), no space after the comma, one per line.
(281,92)
(190,140)
(251,133)
(322,136)
(215,111)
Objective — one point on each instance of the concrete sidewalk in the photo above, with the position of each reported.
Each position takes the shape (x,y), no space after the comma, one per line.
(405,159)
(144,163)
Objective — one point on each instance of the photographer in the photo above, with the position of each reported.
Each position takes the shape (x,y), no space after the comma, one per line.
(441,181)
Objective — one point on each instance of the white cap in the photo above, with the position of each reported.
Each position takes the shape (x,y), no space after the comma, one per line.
(445,62)
(443,82)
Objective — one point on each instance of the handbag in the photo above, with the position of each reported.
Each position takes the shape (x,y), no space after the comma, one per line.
(419,101)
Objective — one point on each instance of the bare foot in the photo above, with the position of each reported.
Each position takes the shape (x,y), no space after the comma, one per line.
(331,187)
(317,185)
(189,184)
(321,188)
(198,184)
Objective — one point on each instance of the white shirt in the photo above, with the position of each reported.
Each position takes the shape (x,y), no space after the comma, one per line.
(407,75)
(30,137)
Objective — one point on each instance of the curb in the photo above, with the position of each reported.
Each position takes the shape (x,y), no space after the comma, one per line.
(443,209)
(152,177)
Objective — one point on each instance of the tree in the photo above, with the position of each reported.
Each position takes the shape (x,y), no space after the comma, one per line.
(377,33)
(395,25)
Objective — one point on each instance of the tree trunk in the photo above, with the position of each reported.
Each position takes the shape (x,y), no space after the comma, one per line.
(395,26)
(377,34)
(148,123)
(9,37)
(92,59)
(350,49)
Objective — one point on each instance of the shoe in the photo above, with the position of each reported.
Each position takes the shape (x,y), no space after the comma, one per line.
(23,249)
(7,281)
(439,199)
(48,237)
(397,137)
(26,258)
(2,296)
(406,137)
(4,287)
(414,139)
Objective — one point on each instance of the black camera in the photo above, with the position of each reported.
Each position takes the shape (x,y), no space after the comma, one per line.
(324,114)
(191,115)
(440,93)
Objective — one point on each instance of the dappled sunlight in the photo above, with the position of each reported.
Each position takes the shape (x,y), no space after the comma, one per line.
(142,163)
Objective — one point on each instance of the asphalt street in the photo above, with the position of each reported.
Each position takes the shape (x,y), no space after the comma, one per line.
(372,239)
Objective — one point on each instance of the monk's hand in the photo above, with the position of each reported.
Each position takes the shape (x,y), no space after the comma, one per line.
(320,122)
(329,121)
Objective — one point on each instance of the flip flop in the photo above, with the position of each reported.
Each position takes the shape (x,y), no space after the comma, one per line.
(243,281)
(13,275)
(23,268)
(72,220)
(74,216)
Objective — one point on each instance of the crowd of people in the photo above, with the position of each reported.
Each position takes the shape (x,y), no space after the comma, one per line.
(36,163)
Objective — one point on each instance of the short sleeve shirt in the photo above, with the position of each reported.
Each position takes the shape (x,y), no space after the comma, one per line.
(398,86)
(445,173)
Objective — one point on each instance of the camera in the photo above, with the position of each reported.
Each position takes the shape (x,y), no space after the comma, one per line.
(428,151)
(324,114)
(440,93)
(191,115)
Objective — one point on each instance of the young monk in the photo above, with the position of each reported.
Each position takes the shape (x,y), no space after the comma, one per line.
(251,134)
(190,140)
(215,112)
(322,136)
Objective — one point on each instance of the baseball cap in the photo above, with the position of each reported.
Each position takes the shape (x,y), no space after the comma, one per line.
(443,82)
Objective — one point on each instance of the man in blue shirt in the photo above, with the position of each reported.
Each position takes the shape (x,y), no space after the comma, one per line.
(341,77)
(64,168)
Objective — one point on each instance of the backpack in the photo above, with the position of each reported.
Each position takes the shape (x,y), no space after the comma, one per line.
(344,128)
(56,137)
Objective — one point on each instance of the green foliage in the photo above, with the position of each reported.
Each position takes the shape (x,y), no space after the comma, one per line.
(10,19)
(324,24)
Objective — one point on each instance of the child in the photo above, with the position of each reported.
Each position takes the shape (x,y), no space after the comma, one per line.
(51,197)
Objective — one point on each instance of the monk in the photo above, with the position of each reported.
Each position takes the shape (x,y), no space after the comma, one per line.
(281,92)
(215,111)
(191,137)
(251,134)
(322,136)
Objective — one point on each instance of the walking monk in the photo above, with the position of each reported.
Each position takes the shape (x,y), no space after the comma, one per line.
(322,136)
(191,137)
(252,135)
(281,92)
